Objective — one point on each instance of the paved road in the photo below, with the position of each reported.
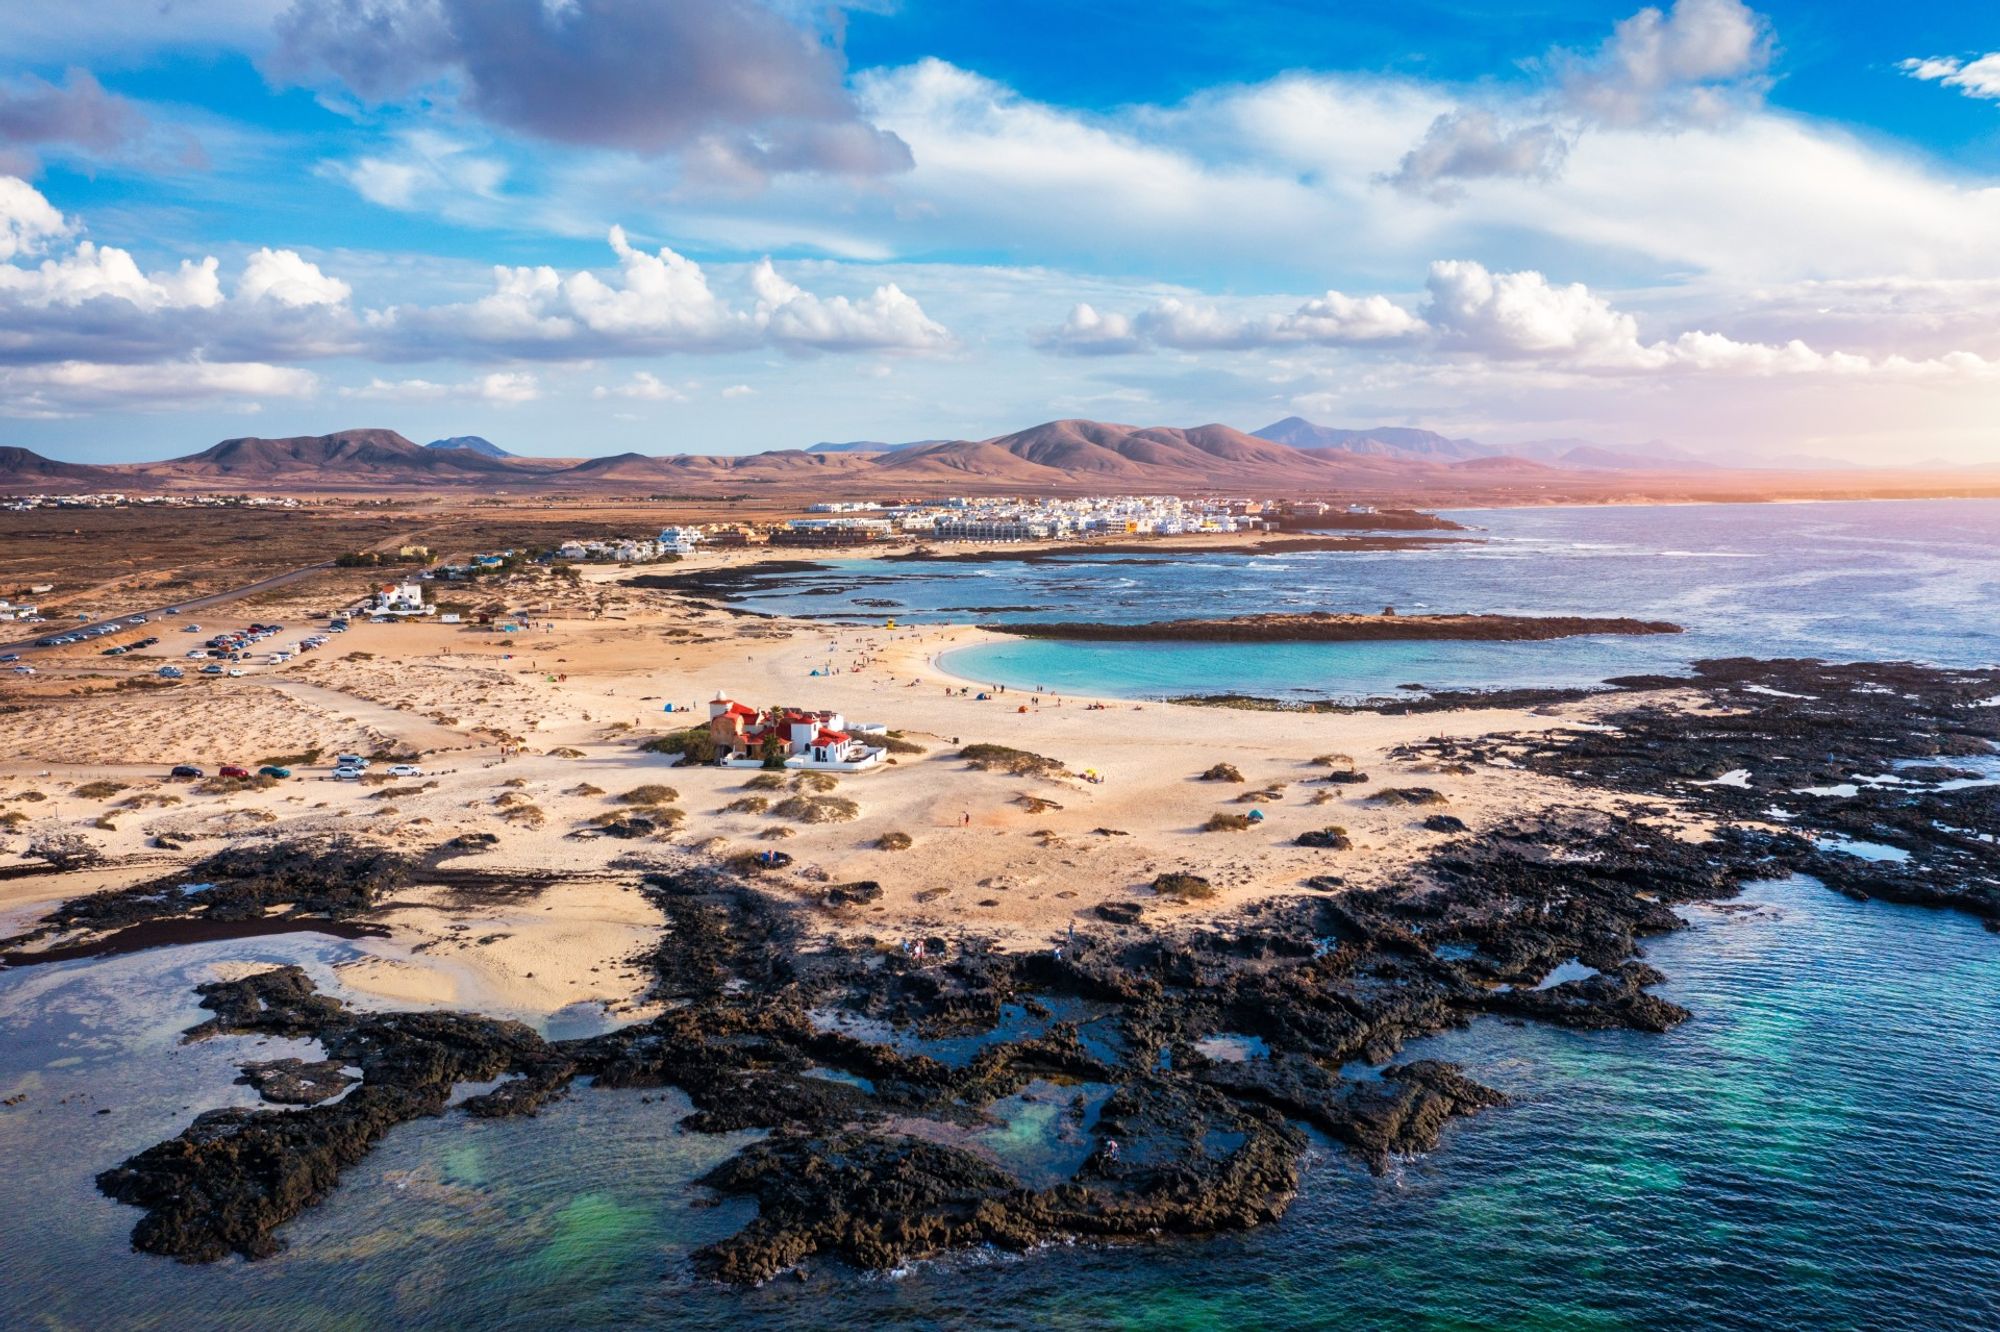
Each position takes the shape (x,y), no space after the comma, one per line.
(57,627)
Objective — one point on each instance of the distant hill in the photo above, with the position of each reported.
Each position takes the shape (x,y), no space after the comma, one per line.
(360,455)
(26,470)
(1059,452)
(1428,445)
(1375,441)
(476,443)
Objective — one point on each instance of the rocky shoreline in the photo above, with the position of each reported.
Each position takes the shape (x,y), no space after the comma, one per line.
(1328,627)
(870,1066)
(1202,1144)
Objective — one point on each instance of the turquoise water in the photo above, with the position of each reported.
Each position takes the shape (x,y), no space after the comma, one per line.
(1815,1149)
(1849,581)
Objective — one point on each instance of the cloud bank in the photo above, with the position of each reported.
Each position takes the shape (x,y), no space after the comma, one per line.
(741,88)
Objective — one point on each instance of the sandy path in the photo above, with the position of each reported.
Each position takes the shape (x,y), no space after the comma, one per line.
(415,732)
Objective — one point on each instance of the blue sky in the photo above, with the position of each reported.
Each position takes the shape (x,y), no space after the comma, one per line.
(585,226)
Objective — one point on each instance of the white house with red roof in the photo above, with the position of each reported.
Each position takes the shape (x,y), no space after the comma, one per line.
(821,740)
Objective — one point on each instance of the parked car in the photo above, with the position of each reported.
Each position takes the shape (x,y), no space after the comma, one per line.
(10,656)
(274,770)
(171,610)
(187,770)
(190,628)
(354,761)
(406,770)
(24,670)
(347,774)
(45,642)
(232,770)
(235,671)
(211,669)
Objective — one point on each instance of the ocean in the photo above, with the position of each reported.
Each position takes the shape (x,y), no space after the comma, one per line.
(1913,580)
(1813,1149)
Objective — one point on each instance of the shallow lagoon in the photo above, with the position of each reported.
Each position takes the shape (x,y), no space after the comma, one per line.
(1844,581)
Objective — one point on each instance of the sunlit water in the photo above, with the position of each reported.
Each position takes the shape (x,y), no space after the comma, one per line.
(1849,581)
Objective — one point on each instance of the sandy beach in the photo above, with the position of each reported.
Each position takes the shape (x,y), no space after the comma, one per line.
(1018,859)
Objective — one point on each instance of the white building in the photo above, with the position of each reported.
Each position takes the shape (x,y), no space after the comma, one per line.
(823,741)
(404,598)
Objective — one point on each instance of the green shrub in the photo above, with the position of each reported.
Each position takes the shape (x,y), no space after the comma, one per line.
(1017,762)
(1185,887)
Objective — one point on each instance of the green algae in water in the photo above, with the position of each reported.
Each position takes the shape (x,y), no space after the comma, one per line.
(592,1237)
(464,1165)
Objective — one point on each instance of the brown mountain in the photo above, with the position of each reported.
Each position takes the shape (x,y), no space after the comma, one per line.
(1072,452)
(24,470)
(780,465)
(353,455)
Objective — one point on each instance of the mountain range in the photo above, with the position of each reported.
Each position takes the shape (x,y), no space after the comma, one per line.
(1293,456)
(1409,442)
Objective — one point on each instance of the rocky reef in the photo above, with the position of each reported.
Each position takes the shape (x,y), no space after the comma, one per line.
(842,1050)
(1882,779)
(1196,1061)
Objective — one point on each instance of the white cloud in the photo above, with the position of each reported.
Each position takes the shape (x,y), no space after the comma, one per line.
(92,272)
(738,391)
(94,304)
(1087,332)
(660,302)
(1700,63)
(502,388)
(282,277)
(1696,63)
(1473,316)
(1975,78)
(425,170)
(28,221)
(1018,175)
(644,386)
(1472,145)
(885,319)
(1332,320)
(73,388)
(1523,316)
